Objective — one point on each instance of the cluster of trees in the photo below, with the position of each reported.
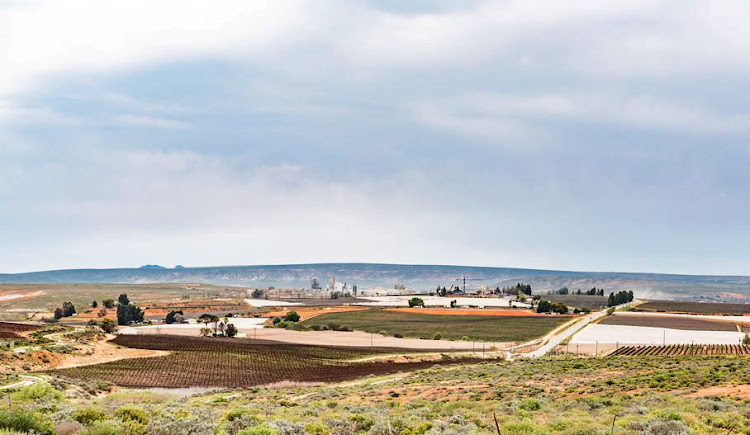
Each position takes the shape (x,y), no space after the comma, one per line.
(551,307)
(127,313)
(563,291)
(518,289)
(594,291)
(339,294)
(258,294)
(620,298)
(67,310)
(221,328)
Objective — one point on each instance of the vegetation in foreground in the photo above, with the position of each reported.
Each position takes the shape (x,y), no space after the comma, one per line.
(645,395)
(485,328)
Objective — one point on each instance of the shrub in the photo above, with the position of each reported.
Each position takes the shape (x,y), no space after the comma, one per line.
(88,415)
(36,392)
(530,405)
(102,428)
(292,316)
(437,336)
(383,333)
(25,421)
(316,428)
(465,338)
(416,302)
(398,335)
(132,413)
(259,429)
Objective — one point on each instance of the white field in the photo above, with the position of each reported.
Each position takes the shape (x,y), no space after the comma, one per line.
(742,320)
(269,303)
(436,301)
(642,335)
(242,323)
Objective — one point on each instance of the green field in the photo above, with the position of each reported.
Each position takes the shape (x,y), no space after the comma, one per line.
(485,328)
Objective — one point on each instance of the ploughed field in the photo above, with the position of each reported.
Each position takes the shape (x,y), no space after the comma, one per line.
(683,349)
(694,307)
(486,328)
(12,330)
(237,363)
(656,321)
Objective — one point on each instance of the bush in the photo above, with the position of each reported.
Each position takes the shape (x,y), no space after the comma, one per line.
(292,316)
(398,335)
(36,392)
(259,429)
(102,428)
(25,421)
(88,415)
(437,336)
(383,333)
(132,413)
(416,302)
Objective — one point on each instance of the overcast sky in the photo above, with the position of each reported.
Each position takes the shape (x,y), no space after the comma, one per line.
(581,135)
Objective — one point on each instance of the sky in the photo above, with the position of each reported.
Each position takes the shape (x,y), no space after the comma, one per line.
(579,135)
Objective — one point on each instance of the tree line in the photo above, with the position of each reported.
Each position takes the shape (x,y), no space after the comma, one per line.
(620,298)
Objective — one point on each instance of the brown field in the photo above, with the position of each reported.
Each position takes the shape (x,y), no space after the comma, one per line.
(237,363)
(466,312)
(579,301)
(694,307)
(13,330)
(684,349)
(656,321)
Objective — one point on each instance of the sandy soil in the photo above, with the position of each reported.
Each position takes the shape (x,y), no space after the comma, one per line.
(346,339)
(744,320)
(738,391)
(465,312)
(11,296)
(105,352)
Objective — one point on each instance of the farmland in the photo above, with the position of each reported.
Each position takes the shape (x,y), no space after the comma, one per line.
(695,307)
(655,321)
(680,350)
(12,330)
(234,363)
(488,328)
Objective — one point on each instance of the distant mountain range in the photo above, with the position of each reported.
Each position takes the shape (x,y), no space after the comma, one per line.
(420,278)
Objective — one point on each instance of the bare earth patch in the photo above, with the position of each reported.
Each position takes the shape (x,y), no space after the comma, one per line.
(737,391)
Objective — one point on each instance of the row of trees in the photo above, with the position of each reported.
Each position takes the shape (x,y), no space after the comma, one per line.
(518,289)
(619,298)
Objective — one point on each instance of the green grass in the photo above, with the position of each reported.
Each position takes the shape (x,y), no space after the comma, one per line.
(485,328)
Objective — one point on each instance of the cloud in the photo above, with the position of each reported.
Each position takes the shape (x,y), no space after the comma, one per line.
(149,121)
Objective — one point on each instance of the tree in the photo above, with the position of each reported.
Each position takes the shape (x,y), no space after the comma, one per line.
(68,309)
(257,293)
(544,306)
(291,316)
(94,304)
(107,325)
(127,314)
(443,292)
(123,299)
(416,302)
(171,317)
(611,300)
(231,330)
(108,303)
(58,313)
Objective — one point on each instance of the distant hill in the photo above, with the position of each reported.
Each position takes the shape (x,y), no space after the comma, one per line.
(421,278)
(151,267)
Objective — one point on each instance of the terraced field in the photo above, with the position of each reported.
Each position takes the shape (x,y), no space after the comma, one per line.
(236,363)
(686,349)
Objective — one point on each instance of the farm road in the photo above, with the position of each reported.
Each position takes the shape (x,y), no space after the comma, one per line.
(567,333)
